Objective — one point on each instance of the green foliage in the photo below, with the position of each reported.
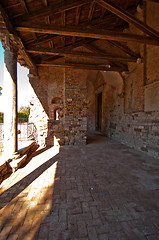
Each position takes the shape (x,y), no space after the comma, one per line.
(25,110)
(22,117)
(1,117)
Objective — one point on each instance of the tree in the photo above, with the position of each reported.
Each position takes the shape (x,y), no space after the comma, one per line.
(25,110)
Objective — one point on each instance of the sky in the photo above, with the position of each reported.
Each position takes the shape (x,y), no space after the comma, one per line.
(24,87)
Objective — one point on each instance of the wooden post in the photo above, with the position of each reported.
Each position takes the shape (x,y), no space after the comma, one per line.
(10,91)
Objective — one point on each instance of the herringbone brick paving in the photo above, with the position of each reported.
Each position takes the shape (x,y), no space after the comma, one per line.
(103,190)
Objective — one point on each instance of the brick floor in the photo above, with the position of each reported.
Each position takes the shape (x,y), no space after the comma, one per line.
(103,190)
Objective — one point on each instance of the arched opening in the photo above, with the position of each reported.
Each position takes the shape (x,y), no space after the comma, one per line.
(56,100)
(57,114)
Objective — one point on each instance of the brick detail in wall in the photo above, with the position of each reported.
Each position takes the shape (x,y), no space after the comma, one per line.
(75,116)
(139,130)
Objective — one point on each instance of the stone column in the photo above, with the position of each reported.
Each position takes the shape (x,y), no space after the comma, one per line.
(10,93)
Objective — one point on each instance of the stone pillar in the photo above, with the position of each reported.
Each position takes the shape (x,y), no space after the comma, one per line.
(10,110)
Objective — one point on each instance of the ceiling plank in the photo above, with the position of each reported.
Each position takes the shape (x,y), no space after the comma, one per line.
(23,3)
(63,19)
(127,17)
(77,20)
(47,21)
(99,51)
(94,22)
(81,54)
(52,9)
(81,66)
(125,48)
(85,32)
(14,34)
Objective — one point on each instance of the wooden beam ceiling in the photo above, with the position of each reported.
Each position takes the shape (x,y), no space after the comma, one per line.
(82,66)
(81,54)
(127,17)
(52,9)
(89,33)
(91,11)
(156,1)
(18,40)
(99,51)
(124,48)
(77,20)
(23,3)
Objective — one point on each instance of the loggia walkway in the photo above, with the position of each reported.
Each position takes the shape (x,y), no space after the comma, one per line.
(103,190)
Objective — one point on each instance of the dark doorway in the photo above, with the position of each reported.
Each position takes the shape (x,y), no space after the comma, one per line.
(99,112)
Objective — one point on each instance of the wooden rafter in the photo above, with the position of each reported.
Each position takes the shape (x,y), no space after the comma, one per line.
(47,20)
(23,2)
(52,9)
(89,33)
(45,2)
(63,16)
(127,17)
(156,1)
(81,54)
(124,48)
(91,11)
(13,5)
(77,20)
(99,51)
(21,47)
(81,66)
(94,22)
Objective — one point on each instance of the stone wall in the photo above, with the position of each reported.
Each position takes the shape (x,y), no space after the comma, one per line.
(131,115)
(75,106)
(139,130)
(59,106)
(130,102)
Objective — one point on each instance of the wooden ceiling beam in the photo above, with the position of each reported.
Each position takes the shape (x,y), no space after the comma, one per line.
(156,1)
(77,20)
(23,3)
(50,10)
(47,21)
(99,51)
(91,11)
(18,40)
(128,17)
(82,66)
(81,54)
(85,32)
(124,48)
(63,18)
(94,22)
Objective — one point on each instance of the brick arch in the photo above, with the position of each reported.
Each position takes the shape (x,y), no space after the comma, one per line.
(56,100)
